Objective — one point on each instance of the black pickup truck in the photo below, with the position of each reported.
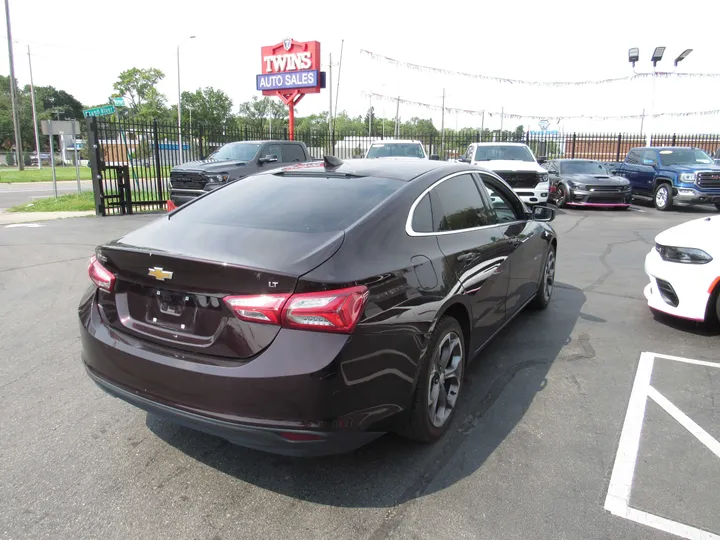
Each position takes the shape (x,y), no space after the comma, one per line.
(231,162)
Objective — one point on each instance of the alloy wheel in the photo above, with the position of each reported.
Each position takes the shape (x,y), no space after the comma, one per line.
(445,378)
(661,197)
(560,197)
(549,276)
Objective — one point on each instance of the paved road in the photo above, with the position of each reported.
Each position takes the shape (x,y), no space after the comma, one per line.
(530,455)
(24,192)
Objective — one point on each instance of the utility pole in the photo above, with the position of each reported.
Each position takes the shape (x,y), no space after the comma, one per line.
(397,119)
(13,94)
(442,127)
(330,107)
(642,121)
(482,125)
(502,118)
(35,124)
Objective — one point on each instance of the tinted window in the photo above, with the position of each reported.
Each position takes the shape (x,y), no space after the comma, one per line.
(293,152)
(633,157)
(459,205)
(422,218)
(290,203)
(503,202)
(272,150)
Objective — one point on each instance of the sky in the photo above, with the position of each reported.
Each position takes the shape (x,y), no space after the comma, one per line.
(82,45)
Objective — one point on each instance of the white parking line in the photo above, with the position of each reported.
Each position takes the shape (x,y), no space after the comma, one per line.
(617,501)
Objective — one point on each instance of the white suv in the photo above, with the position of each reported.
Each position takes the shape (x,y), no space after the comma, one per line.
(516,164)
(397,148)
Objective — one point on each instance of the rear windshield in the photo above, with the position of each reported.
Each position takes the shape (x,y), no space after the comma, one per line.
(290,203)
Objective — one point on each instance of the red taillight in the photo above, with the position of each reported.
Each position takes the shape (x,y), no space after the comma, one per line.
(263,308)
(100,276)
(171,206)
(327,311)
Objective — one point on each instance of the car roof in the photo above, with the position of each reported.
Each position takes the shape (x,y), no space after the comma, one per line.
(664,148)
(260,142)
(560,160)
(404,169)
(499,143)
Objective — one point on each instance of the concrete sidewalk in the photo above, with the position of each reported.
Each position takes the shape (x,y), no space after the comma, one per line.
(9,218)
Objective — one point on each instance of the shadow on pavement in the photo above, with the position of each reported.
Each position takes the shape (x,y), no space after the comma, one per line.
(392,470)
(707,329)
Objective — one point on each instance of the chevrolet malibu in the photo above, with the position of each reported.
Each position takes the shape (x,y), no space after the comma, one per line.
(310,309)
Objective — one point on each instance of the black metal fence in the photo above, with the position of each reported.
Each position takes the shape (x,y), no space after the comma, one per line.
(131,160)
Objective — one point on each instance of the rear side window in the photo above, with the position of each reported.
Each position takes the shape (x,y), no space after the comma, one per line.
(422,218)
(293,152)
(290,203)
(457,205)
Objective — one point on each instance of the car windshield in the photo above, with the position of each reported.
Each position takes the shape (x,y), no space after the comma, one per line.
(503,153)
(684,156)
(299,203)
(413,150)
(236,152)
(583,167)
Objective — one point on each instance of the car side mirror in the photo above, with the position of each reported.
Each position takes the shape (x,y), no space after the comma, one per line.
(650,162)
(434,157)
(543,213)
(542,160)
(463,160)
(553,173)
(270,158)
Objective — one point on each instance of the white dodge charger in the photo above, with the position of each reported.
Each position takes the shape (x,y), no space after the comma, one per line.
(684,270)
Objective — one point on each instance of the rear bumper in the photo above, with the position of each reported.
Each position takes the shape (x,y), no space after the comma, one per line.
(331,385)
(265,439)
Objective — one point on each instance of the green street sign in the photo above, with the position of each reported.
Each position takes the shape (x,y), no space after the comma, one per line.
(119,101)
(99,111)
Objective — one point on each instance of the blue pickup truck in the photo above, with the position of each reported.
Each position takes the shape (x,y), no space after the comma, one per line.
(670,175)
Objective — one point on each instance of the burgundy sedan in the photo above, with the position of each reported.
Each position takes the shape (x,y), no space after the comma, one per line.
(309,310)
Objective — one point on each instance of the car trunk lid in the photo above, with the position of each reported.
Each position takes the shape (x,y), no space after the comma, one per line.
(170,282)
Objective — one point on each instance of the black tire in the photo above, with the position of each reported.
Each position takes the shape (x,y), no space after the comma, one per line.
(560,196)
(417,425)
(661,188)
(547,282)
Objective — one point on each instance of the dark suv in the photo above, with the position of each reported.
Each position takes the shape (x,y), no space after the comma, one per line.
(231,162)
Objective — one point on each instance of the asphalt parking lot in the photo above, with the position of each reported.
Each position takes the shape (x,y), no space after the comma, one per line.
(531,454)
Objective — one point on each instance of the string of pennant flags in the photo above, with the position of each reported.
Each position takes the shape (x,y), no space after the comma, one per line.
(455,110)
(477,76)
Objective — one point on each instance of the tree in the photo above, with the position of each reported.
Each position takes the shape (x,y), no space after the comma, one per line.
(257,113)
(209,106)
(138,86)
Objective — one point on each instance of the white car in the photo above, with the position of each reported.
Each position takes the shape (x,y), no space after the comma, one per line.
(516,164)
(684,270)
(397,148)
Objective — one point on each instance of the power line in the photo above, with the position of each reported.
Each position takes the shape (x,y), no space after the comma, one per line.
(477,76)
(537,116)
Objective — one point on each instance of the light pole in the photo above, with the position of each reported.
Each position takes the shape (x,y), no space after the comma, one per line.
(180,152)
(633,57)
(13,94)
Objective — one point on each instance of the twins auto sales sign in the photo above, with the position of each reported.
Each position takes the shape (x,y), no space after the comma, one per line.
(290,65)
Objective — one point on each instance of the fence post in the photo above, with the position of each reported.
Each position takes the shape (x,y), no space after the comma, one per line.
(431,144)
(574,143)
(673,143)
(527,138)
(285,131)
(96,164)
(158,165)
(201,134)
(617,154)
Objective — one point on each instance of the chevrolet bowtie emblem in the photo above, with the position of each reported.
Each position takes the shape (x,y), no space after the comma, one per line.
(159,274)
